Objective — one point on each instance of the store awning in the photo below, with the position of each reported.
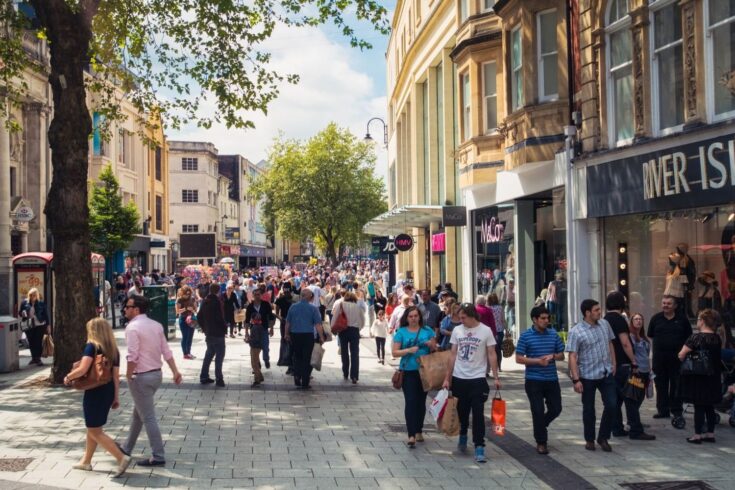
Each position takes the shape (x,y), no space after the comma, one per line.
(401,219)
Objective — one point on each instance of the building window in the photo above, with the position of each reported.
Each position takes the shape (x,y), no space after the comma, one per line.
(159,164)
(425,137)
(190,228)
(548,64)
(516,58)
(464,10)
(668,68)
(121,145)
(441,180)
(99,145)
(720,45)
(488,4)
(189,195)
(619,74)
(159,213)
(13,181)
(466,109)
(191,164)
(490,96)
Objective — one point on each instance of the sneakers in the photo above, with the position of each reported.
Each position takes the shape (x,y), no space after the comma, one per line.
(462,444)
(480,455)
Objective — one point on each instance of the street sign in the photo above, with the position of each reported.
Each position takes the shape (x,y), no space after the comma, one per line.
(383,245)
(454,216)
(403,242)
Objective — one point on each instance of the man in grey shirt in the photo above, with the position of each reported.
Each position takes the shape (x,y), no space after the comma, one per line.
(430,311)
(592,367)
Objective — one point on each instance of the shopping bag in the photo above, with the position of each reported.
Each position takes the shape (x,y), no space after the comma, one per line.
(433,369)
(438,404)
(634,389)
(649,386)
(316,357)
(48,346)
(239,315)
(449,422)
(284,354)
(498,415)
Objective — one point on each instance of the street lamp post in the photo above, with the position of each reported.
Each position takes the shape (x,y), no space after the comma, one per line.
(369,138)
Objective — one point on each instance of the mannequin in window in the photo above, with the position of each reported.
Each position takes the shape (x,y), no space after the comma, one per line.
(556,300)
(687,268)
(510,260)
(498,284)
(709,296)
(676,281)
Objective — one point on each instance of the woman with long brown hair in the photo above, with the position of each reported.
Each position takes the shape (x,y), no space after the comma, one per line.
(97,402)
(185,309)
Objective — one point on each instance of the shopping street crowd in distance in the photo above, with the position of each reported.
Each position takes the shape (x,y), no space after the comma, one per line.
(617,354)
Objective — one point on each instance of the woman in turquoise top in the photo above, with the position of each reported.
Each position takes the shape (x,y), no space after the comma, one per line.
(411,341)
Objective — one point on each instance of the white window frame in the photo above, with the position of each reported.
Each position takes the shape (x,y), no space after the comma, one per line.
(540,58)
(710,64)
(655,106)
(189,195)
(486,98)
(189,228)
(188,162)
(516,70)
(466,106)
(464,11)
(615,27)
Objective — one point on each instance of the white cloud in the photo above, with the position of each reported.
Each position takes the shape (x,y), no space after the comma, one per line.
(333,87)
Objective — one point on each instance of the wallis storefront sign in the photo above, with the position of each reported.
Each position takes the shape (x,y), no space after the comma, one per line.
(687,176)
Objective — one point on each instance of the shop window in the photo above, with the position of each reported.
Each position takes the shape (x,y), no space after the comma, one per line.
(490,96)
(619,74)
(466,107)
(516,59)
(720,46)
(689,254)
(547,55)
(493,249)
(668,68)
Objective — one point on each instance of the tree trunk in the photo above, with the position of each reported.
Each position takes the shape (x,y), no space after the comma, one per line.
(69,33)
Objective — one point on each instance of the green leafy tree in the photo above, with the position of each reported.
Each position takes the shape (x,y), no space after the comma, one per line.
(112,224)
(187,51)
(323,189)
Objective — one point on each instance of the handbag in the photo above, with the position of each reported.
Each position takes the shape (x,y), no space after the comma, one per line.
(47,346)
(317,354)
(284,354)
(508,347)
(697,363)
(397,378)
(98,374)
(433,369)
(635,388)
(498,414)
(239,315)
(340,324)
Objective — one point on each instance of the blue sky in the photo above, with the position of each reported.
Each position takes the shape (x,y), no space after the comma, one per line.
(338,83)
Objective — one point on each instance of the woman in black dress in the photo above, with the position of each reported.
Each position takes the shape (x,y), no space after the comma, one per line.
(34,311)
(231,304)
(98,401)
(704,391)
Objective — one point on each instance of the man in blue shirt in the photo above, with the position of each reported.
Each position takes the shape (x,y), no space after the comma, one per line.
(539,348)
(303,324)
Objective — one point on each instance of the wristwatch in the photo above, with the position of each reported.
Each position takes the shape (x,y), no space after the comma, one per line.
(575,381)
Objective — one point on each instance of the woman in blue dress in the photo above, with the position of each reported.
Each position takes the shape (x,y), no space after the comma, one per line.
(98,401)
(413,340)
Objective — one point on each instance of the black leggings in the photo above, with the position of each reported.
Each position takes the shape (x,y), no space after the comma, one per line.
(471,397)
(700,413)
(380,346)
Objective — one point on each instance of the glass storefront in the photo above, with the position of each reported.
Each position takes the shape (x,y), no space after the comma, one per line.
(493,248)
(689,254)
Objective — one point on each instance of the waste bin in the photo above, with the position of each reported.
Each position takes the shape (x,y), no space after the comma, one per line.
(9,337)
(158,309)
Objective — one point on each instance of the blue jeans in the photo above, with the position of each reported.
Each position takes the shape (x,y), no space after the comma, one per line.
(187,336)
(216,350)
(608,391)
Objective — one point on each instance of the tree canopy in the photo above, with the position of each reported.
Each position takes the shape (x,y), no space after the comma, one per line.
(323,189)
(112,224)
(167,58)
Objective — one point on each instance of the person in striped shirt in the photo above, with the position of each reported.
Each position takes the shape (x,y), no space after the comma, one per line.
(538,349)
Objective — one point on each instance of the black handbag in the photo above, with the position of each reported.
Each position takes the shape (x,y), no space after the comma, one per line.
(635,388)
(284,354)
(697,363)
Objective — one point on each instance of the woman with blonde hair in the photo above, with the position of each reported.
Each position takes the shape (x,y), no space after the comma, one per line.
(186,307)
(34,312)
(98,401)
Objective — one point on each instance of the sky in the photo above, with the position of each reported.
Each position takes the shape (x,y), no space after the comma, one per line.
(337,83)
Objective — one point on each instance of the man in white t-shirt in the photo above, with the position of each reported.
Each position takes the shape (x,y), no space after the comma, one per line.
(473,348)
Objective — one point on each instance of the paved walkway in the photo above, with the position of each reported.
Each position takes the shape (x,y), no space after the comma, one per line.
(336,435)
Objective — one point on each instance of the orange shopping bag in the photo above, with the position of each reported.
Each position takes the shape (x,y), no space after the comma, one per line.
(498,414)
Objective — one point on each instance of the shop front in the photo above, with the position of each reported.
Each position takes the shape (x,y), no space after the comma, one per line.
(667,222)
(251,256)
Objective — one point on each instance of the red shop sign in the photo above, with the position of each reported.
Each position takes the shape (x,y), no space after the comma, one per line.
(439,242)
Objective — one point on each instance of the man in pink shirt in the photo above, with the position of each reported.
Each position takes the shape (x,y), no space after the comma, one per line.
(146,345)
